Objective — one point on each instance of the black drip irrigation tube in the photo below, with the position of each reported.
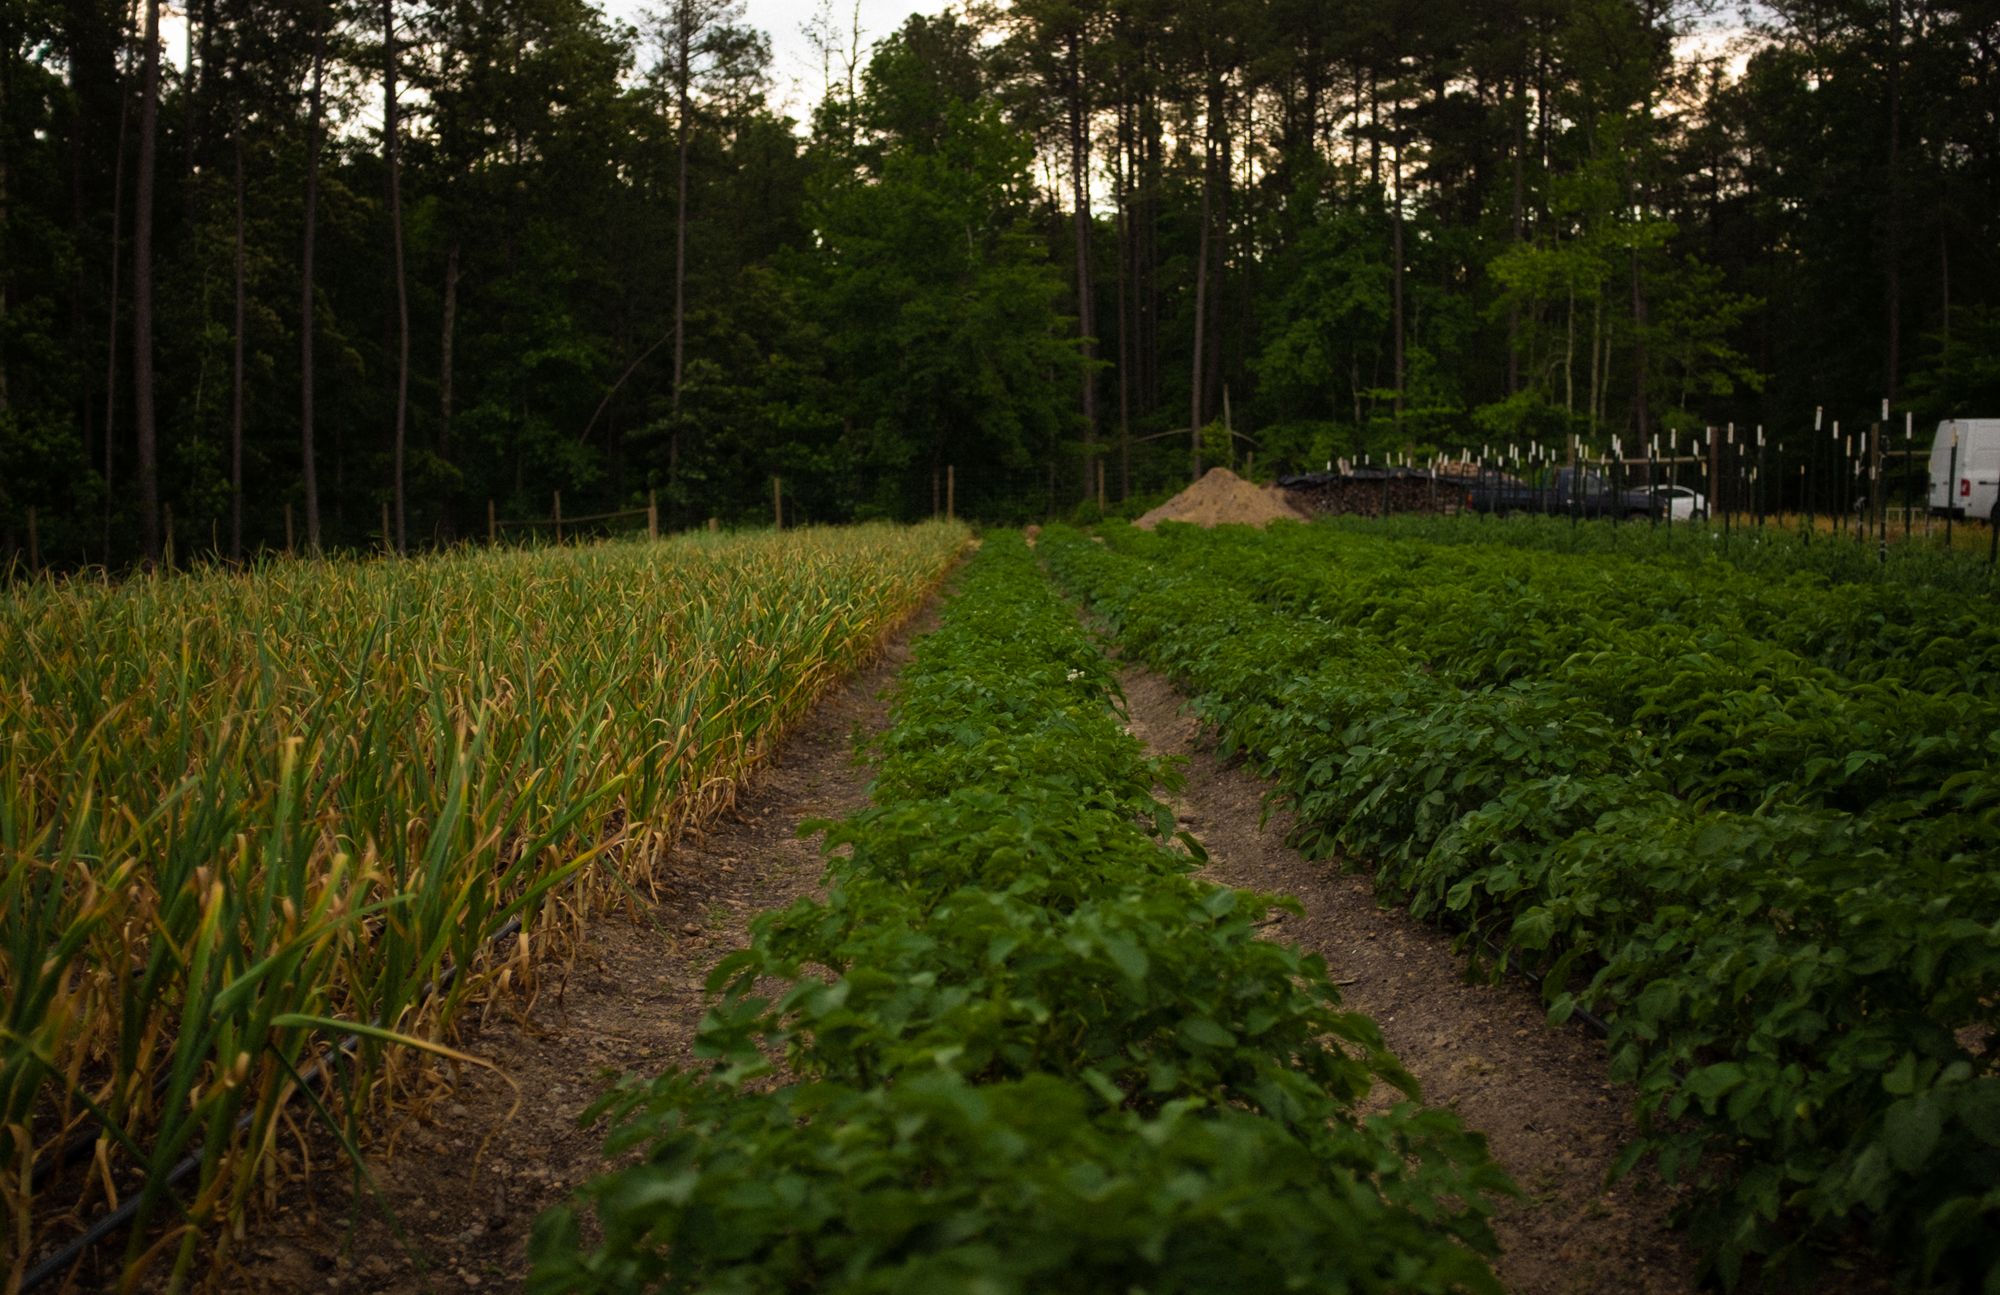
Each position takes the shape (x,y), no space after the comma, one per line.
(78,1145)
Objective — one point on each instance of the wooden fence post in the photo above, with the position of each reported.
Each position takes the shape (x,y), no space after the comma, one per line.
(652,516)
(1757,475)
(1875,501)
(558,516)
(777,502)
(288,526)
(167,513)
(1843,494)
(1909,419)
(951,492)
(1951,486)
(714,525)
(492,526)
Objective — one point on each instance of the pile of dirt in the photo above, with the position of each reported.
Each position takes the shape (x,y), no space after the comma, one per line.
(1221,498)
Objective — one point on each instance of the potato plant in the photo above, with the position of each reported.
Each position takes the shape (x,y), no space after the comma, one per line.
(1774,877)
(1018,1047)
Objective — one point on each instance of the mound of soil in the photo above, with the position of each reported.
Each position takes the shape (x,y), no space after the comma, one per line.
(1222,498)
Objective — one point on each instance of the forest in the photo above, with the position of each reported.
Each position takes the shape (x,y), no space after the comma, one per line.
(350,275)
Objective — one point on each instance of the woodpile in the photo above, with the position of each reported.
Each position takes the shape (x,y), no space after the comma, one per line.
(1366,492)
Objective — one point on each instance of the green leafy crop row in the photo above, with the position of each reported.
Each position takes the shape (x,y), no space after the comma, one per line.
(1920,568)
(1018,1047)
(1878,631)
(1775,880)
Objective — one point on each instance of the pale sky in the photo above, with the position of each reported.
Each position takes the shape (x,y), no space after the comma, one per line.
(795,68)
(796,72)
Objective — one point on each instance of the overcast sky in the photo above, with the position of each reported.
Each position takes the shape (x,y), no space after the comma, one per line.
(795,69)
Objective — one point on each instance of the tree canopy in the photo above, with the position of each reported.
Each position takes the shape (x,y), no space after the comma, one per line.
(1034,246)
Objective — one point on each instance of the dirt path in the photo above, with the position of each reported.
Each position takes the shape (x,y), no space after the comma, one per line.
(1538,1093)
(631,1004)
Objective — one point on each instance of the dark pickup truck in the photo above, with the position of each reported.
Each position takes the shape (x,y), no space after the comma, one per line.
(1565,492)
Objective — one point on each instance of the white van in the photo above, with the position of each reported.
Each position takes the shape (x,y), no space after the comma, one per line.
(1977,481)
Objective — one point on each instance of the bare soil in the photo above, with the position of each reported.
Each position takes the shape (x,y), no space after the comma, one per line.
(463,1186)
(1539,1093)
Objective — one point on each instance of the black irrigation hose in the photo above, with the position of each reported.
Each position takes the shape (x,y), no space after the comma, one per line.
(317,1073)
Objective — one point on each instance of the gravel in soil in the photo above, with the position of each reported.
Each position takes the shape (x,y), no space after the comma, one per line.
(1538,1093)
(462,1188)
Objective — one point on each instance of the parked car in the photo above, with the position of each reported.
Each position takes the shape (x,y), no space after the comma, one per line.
(1565,492)
(1970,489)
(1682,503)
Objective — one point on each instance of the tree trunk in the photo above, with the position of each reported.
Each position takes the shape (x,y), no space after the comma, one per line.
(196,38)
(1641,409)
(1542,101)
(1596,343)
(142,288)
(446,330)
(1219,263)
(6,98)
(1520,223)
(1641,379)
(1122,174)
(1892,194)
(1396,269)
(313,111)
(7,43)
(1569,357)
(1944,289)
(683,98)
(394,148)
(236,373)
(111,322)
(1086,324)
(1196,363)
(1374,131)
(80,123)
(1150,352)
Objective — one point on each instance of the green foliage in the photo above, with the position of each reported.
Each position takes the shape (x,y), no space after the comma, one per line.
(936,303)
(1023,1048)
(1894,595)
(1749,823)
(1326,325)
(282,802)
(1963,374)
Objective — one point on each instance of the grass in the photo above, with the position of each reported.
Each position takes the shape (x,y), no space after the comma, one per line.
(245,816)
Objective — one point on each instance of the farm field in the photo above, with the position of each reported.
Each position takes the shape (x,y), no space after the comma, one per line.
(1023,1049)
(1746,819)
(508,504)
(1024,1031)
(310,818)
(1872,563)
